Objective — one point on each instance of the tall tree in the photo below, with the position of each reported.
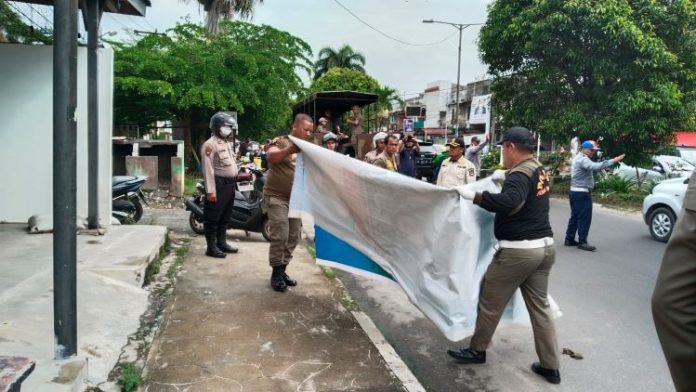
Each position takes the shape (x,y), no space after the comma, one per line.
(618,69)
(220,10)
(344,57)
(188,73)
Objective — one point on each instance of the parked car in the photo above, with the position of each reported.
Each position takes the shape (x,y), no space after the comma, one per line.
(424,163)
(663,167)
(687,153)
(660,208)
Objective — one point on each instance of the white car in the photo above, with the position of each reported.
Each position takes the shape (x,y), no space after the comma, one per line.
(663,167)
(661,207)
(687,153)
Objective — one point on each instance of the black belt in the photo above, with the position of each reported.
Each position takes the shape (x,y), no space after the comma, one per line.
(224,180)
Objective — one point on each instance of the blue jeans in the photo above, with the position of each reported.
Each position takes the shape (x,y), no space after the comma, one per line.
(580,216)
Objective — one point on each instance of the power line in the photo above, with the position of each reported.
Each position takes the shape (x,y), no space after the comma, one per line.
(387,35)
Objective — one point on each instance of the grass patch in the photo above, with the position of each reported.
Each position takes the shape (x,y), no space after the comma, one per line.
(154,267)
(130,378)
(180,254)
(328,272)
(190,181)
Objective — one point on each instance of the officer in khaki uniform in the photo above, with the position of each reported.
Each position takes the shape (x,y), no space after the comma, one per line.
(525,255)
(674,299)
(456,170)
(388,159)
(219,172)
(284,231)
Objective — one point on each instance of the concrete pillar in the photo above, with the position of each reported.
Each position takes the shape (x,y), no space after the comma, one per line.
(144,166)
(177,186)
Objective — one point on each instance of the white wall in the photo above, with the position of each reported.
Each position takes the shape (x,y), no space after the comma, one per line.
(26,132)
(435,102)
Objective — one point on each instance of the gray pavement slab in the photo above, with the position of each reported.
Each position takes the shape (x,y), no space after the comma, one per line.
(110,300)
(225,329)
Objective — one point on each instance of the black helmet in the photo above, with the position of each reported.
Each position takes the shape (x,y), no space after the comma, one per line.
(221,119)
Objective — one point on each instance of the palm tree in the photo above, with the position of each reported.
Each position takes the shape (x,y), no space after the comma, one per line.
(388,97)
(218,10)
(344,57)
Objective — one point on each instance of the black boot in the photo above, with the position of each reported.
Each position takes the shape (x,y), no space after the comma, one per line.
(213,250)
(288,280)
(222,242)
(551,375)
(468,355)
(277,281)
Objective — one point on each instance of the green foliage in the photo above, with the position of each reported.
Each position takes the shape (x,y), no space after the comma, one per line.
(491,159)
(344,57)
(622,70)
(337,79)
(190,73)
(613,183)
(131,376)
(217,10)
(14,30)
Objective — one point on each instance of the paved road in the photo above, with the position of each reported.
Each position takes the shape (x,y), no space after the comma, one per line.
(605,297)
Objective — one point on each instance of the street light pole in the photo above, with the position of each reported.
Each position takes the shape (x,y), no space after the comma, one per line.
(460,27)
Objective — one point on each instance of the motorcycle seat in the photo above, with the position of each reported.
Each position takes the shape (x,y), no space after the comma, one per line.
(115,180)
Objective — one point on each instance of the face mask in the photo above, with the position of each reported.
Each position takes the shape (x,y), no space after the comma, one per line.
(225,131)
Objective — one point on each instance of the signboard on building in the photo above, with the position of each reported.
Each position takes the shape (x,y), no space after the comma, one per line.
(408,125)
(480,109)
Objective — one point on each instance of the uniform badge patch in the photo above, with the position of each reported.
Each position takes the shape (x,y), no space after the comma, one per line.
(208,149)
(472,172)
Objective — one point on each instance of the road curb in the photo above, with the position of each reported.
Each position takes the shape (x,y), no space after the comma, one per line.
(394,361)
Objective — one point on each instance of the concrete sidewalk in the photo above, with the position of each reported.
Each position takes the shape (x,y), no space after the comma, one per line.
(110,300)
(225,329)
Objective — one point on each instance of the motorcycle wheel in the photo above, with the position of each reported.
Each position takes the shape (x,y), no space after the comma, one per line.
(138,214)
(266,229)
(196,224)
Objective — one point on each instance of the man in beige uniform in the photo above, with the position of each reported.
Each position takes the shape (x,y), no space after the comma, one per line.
(219,172)
(674,299)
(284,231)
(378,144)
(456,170)
(388,159)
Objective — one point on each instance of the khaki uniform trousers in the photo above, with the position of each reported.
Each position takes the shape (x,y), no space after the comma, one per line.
(529,270)
(285,232)
(674,298)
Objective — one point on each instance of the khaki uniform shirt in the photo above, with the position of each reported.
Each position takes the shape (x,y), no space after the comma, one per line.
(371,156)
(218,160)
(280,175)
(386,162)
(456,173)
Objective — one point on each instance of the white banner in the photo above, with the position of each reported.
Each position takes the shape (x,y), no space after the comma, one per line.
(374,222)
(480,109)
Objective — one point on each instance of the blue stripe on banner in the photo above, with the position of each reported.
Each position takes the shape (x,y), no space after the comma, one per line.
(330,247)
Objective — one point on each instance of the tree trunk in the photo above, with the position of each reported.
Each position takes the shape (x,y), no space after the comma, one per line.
(190,155)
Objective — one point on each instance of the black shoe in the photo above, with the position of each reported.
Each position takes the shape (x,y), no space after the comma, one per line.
(222,243)
(288,280)
(551,375)
(587,247)
(277,281)
(571,243)
(212,250)
(227,248)
(468,355)
(215,252)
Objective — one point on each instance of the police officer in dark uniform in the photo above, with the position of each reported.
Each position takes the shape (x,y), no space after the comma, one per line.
(219,172)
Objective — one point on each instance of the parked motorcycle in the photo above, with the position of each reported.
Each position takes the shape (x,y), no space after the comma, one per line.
(247,214)
(127,195)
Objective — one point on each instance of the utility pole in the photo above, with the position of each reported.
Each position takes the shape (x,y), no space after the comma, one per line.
(460,27)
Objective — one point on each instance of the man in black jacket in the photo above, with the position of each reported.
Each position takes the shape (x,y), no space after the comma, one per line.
(524,258)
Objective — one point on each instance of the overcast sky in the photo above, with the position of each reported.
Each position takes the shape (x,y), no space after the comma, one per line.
(324,23)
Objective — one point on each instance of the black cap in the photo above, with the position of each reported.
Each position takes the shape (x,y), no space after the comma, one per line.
(458,142)
(520,136)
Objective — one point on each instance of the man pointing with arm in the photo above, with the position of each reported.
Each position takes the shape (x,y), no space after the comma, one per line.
(581,185)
